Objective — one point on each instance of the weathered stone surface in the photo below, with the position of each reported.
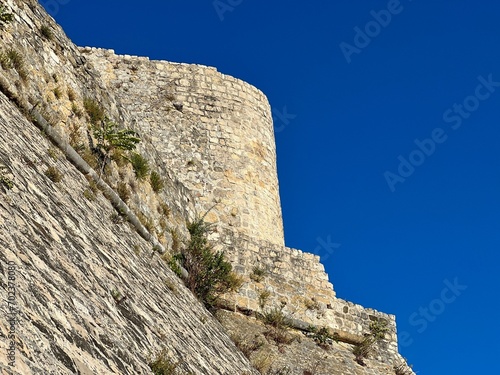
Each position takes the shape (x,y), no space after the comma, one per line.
(302,355)
(71,258)
(210,136)
(213,130)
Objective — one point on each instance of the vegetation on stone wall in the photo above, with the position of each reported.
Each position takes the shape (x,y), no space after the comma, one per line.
(141,166)
(258,274)
(46,32)
(402,369)
(322,336)
(54,174)
(163,364)
(209,274)
(5,17)
(12,58)
(156,181)
(378,329)
(93,110)
(110,139)
(278,324)
(4,179)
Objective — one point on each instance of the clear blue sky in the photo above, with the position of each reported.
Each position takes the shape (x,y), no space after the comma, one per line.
(426,76)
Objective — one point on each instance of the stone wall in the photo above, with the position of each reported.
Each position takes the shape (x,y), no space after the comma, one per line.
(177,120)
(213,131)
(211,138)
(297,281)
(71,260)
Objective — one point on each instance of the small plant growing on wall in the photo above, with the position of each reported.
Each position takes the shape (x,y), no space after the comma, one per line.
(278,324)
(5,16)
(141,166)
(54,174)
(263,297)
(378,329)
(210,275)
(13,59)
(163,364)
(110,138)
(322,336)
(94,110)
(258,274)
(57,92)
(156,181)
(46,32)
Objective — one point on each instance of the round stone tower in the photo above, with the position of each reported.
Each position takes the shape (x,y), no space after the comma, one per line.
(214,132)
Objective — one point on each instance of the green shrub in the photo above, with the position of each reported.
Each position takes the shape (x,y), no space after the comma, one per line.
(46,32)
(5,17)
(276,318)
(210,275)
(94,110)
(163,364)
(278,325)
(57,92)
(258,274)
(378,329)
(111,140)
(54,174)
(156,181)
(141,166)
(322,336)
(17,62)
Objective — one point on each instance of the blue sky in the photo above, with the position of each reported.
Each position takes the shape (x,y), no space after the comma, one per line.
(387,123)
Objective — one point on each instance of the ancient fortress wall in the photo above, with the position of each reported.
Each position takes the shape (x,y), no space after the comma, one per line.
(215,134)
(213,131)
(211,137)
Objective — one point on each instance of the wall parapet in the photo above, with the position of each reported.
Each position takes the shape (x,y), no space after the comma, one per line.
(296,281)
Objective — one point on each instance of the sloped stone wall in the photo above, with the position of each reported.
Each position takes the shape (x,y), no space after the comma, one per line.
(211,137)
(72,260)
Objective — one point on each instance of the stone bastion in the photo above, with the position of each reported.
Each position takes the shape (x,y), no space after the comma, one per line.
(213,131)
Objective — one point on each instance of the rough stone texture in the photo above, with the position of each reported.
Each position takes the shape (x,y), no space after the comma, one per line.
(211,138)
(303,355)
(219,140)
(70,258)
(208,143)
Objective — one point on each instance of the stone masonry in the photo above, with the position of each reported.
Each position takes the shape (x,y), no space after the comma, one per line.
(215,133)
(210,136)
